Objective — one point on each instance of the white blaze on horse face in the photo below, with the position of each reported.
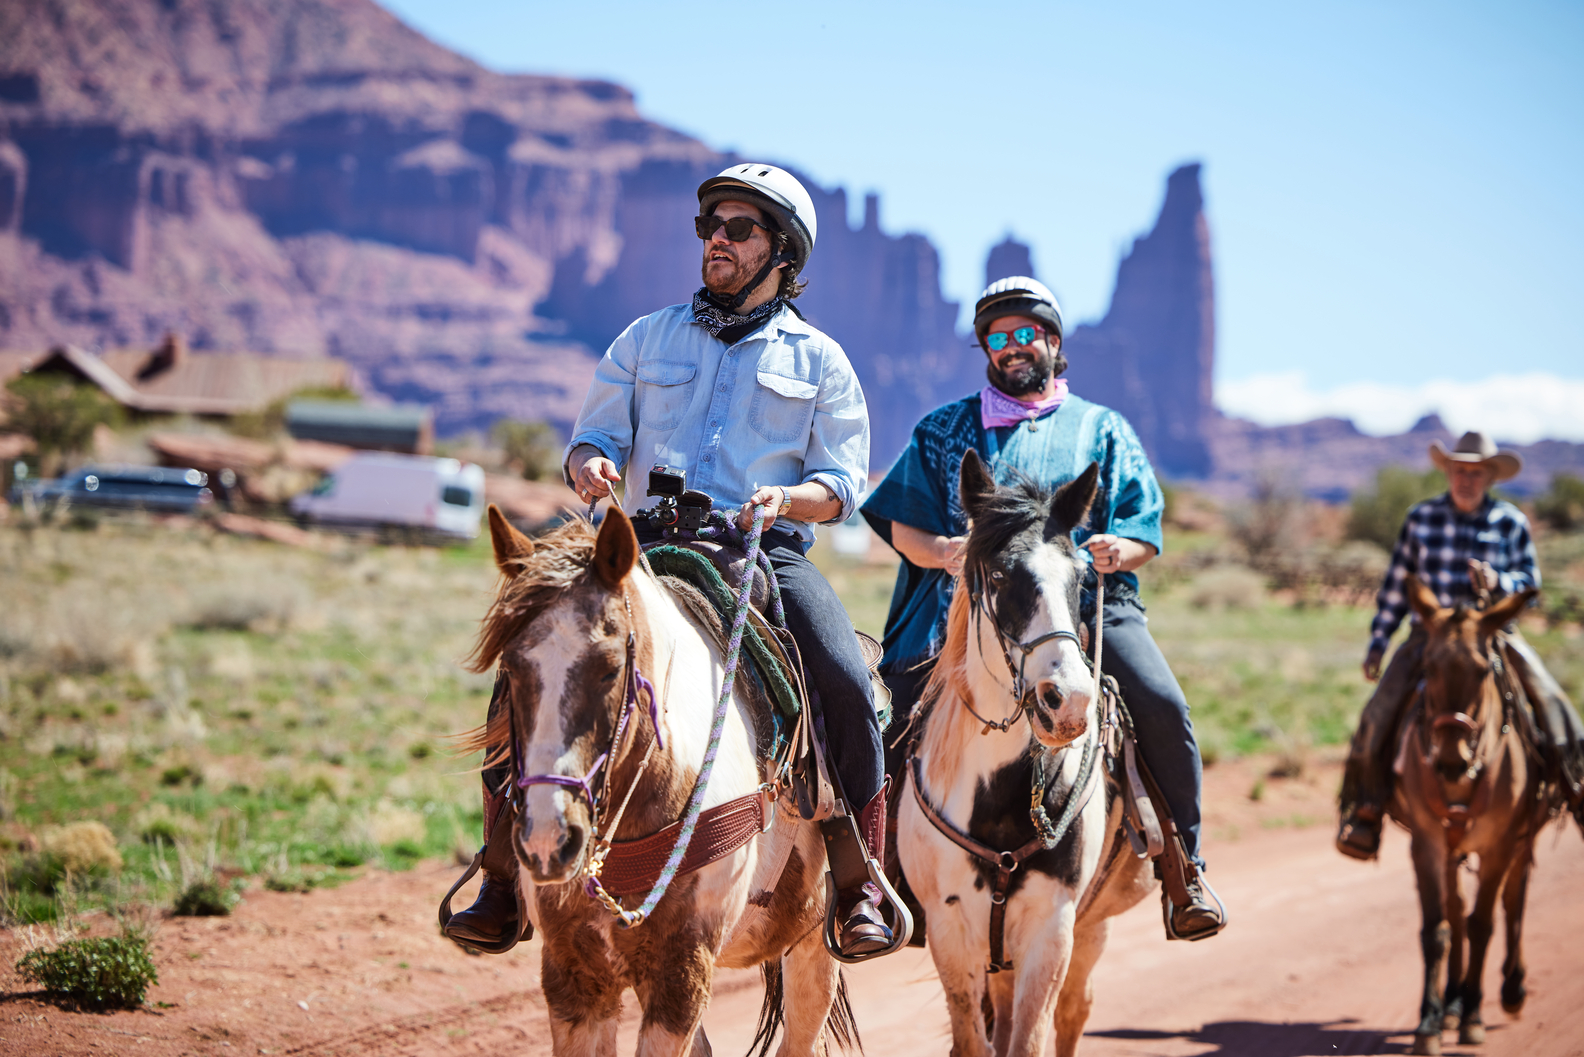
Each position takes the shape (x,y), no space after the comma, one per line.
(544,828)
(1061,683)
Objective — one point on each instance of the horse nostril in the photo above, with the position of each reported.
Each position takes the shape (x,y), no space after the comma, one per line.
(1051,697)
(572,847)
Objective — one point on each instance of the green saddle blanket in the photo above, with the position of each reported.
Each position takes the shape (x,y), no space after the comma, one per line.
(765,666)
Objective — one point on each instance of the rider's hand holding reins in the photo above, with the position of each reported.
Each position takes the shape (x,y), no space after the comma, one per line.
(593,479)
(1117,554)
(813,501)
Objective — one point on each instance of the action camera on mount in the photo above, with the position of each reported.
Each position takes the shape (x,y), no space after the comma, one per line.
(680,508)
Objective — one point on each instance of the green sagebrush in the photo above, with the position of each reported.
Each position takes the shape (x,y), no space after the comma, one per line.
(104,972)
(205,898)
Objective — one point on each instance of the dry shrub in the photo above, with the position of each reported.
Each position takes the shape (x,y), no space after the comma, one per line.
(158,822)
(1227,587)
(391,824)
(82,847)
(260,605)
(82,633)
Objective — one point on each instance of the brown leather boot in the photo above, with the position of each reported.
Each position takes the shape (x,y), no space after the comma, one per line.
(495,922)
(1359,835)
(865,930)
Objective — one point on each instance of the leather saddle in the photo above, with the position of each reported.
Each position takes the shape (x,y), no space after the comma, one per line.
(812,790)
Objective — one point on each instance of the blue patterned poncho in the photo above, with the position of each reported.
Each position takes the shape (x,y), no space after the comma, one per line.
(921,491)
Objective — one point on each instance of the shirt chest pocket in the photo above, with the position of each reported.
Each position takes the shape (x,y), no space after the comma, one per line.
(783,407)
(664,391)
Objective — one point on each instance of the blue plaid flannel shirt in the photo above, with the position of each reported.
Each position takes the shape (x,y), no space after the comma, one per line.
(1436,544)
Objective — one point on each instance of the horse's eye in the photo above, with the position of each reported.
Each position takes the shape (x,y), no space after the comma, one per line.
(997,576)
(608,677)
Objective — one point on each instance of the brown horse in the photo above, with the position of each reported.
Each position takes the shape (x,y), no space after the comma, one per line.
(1468,785)
(576,624)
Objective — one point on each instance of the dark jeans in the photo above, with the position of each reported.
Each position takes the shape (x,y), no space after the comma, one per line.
(1159,709)
(1160,715)
(833,665)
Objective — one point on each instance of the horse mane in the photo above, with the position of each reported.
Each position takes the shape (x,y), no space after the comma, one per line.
(939,728)
(1002,516)
(559,562)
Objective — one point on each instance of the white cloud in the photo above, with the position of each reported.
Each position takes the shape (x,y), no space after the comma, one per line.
(1522,408)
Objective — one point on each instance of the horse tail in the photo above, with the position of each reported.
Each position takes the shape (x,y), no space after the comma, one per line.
(841,1025)
(772,1013)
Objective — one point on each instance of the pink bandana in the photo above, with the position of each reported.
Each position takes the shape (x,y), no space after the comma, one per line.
(997,409)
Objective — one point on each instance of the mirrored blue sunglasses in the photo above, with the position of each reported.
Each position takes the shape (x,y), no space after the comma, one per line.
(1021,336)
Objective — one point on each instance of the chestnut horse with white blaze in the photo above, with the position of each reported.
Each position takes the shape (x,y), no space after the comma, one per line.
(1028,931)
(575,621)
(1468,784)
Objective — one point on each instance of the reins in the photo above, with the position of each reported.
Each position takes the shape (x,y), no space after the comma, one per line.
(690,819)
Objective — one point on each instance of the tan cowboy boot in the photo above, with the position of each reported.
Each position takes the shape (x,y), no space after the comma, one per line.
(494,923)
(865,930)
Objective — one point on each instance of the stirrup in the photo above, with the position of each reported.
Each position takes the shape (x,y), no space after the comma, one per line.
(850,867)
(1167,908)
(523,929)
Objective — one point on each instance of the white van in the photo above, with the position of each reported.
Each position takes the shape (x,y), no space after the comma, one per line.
(378,489)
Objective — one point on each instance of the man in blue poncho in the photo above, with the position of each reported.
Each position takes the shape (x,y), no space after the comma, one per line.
(1026,420)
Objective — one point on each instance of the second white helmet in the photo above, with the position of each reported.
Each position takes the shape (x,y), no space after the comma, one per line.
(778,193)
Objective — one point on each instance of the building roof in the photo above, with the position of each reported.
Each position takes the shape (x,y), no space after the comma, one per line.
(172,381)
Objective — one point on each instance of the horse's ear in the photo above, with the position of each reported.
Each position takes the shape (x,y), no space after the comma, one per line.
(1504,612)
(1070,506)
(1423,600)
(511,546)
(974,483)
(615,549)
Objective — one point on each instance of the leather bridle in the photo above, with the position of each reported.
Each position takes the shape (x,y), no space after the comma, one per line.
(983,606)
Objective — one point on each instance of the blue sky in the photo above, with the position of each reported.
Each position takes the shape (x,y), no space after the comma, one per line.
(1393,188)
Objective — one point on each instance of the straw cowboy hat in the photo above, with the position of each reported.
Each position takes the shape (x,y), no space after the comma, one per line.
(1475,447)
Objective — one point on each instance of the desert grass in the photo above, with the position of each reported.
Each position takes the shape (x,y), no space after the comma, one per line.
(183,691)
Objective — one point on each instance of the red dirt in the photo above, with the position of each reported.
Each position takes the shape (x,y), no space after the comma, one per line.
(1321,959)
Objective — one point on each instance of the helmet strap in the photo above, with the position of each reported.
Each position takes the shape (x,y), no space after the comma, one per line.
(753,284)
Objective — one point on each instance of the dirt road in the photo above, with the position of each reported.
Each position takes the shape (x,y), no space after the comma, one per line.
(1321,959)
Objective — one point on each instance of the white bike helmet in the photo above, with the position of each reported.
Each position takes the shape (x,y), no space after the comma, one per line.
(1017,295)
(778,193)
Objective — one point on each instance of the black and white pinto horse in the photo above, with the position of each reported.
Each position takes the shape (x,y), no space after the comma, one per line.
(1013,652)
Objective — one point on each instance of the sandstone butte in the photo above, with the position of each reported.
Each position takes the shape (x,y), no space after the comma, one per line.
(314,177)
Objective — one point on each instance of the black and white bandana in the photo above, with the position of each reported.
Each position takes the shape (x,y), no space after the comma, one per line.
(728,325)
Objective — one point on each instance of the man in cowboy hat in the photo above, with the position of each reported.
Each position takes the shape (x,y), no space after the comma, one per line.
(1459,545)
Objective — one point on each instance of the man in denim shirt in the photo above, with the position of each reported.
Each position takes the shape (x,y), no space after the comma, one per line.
(759,408)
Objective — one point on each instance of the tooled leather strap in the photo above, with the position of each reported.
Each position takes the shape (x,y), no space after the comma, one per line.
(633,866)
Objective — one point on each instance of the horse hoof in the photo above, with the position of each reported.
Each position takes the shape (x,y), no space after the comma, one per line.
(1513,994)
(1427,1044)
(1451,1021)
(1471,1034)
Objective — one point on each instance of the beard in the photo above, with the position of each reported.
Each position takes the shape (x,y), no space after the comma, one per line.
(728,281)
(1029,376)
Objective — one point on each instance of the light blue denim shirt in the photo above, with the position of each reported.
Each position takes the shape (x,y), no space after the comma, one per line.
(780,407)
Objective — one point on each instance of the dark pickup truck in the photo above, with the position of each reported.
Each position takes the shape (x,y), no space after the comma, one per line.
(157,488)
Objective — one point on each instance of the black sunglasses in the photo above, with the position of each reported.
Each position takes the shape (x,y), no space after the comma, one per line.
(738,229)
